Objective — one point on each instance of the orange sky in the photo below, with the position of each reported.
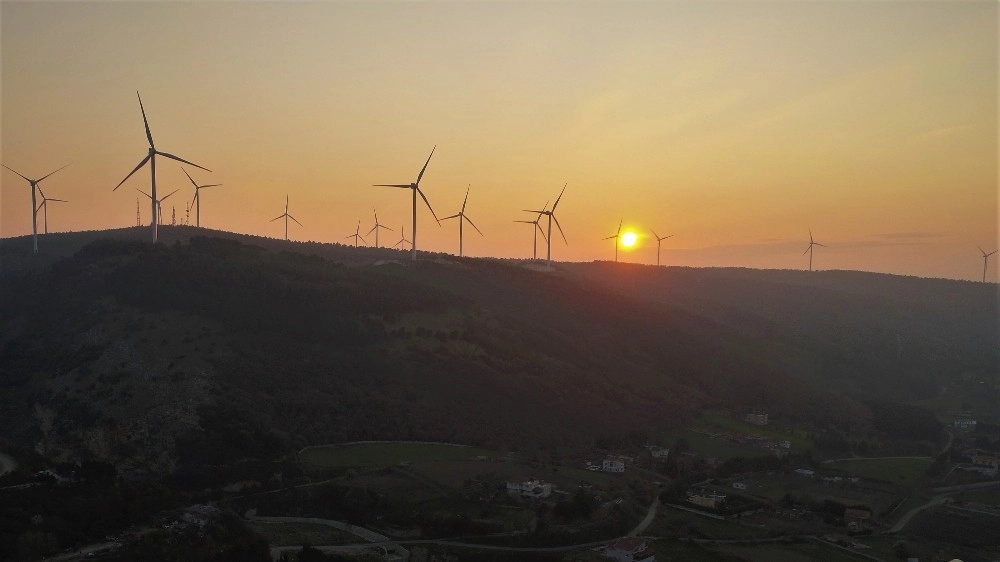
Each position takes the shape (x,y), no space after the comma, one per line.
(734,126)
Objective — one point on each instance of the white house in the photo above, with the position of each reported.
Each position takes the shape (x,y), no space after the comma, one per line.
(630,549)
(529,487)
(613,464)
(964,424)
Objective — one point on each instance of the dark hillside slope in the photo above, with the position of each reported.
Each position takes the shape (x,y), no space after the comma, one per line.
(896,337)
(187,354)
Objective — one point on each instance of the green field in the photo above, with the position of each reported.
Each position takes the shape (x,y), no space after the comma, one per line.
(290,534)
(800,552)
(385,454)
(904,472)
(796,437)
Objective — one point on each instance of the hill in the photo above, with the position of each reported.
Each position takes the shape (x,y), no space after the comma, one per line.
(203,350)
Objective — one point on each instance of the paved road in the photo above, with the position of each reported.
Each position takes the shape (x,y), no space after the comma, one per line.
(649,518)
(938,500)
(7,464)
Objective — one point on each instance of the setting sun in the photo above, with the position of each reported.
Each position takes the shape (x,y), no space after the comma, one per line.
(628,239)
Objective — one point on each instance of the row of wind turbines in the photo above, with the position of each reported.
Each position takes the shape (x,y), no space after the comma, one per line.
(414,187)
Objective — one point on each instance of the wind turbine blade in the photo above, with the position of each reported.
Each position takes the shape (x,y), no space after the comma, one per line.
(11,169)
(168,155)
(276,218)
(136,169)
(363,239)
(387,228)
(373,229)
(148,196)
(610,237)
(42,193)
(533,211)
(195,198)
(149,136)
(407,186)
(293,218)
(425,165)
(655,235)
(168,195)
(424,197)
(190,178)
(348,236)
(818,244)
(807,250)
(528,222)
(474,226)
(560,197)
(209,185)
(559,226)
(542,230)
(991,253)
(451,217)
(619,227)
(466,198)
(668,236)
(981,251)
(810,236)
(59,200)
(49,174)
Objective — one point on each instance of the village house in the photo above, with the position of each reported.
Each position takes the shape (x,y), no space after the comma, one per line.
(756,417)
(980,458)
(710,500)
(630,549)
(964,424)
(857,519)
(200,514)
(613,464)
(659,452)
(529,487)
(739,485)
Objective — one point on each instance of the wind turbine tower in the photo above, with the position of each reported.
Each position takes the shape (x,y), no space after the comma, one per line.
(986,258)
(34,205)
(357,235)
(461,216)
(157,203)
(44,207)
(551,213)
(197,200)
(402,238)
(286,216)
(809,249)
(415,188)
(377,227)
(659,239)
(151,158)
(615,237)
(535,231)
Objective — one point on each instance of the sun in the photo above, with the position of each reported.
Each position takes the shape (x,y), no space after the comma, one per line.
(629,238)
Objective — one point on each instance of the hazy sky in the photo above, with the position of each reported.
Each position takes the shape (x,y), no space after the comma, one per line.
(735,126)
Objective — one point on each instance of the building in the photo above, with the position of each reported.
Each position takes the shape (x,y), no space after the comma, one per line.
(613,464)
(857,519)
(739,485)
(805,472)
(659,452)
(529,487)
(756,417)
(964,424)
(710,500)
(630,549)
(986,460)
(200,514)
(785,444)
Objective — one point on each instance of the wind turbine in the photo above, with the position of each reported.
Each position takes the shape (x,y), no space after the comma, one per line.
(658,240)
(357,235)
(809,249)
(415,187)
(197,200)
(287,216)
(552,216)
(615,237)
(402,238)
(158,215)
(151,158)
(34,207)
(535,231)
(376,227)
(461,219)
(986,257)
(44,207)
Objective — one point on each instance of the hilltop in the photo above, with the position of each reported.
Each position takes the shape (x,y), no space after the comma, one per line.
(203,350)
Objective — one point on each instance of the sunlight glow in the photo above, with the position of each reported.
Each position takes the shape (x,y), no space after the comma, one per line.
(629,238)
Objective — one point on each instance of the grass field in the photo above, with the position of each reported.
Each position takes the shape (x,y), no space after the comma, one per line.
(801,552)
(719,448)
(796,437)
(291,534)
(385,454)
(904,472)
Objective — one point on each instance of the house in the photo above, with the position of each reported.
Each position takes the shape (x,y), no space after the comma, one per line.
(200,514)
(529,487)
(964,424)
(659,452)
(613,464)
(857,519)
(756,417)
(980,458)
(785,444)
(739,485)
(710,500)
(630,549)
